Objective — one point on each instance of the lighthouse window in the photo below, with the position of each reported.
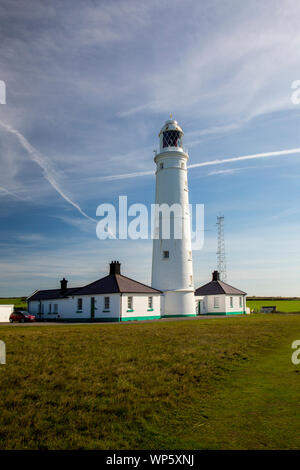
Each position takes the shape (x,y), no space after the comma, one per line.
(171,139)
(166,254)
(161,165)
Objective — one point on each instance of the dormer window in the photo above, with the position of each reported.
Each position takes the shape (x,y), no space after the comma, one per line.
(171,139)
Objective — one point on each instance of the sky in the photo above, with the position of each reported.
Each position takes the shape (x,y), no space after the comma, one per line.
(89,84)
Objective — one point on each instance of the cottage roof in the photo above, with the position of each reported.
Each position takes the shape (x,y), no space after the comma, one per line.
(111,284)
(217,287)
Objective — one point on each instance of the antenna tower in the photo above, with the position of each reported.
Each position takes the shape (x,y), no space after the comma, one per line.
(221,257)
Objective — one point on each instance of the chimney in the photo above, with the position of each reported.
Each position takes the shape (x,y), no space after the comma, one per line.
(216,276)
(63,286)
(115,267)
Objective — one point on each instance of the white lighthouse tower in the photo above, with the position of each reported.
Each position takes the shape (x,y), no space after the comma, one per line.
(172,265)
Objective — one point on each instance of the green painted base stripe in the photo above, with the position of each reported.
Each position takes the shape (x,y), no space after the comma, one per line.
(224,313)
(150,317)
(82,320)
(183,315)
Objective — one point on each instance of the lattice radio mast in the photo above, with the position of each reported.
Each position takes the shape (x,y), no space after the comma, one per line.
(221,257)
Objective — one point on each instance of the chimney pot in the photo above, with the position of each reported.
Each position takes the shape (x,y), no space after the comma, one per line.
(115,267)
(216,276)
(63,286)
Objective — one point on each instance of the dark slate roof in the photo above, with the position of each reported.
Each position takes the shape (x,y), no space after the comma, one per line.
(111,284)
(218,287)
(52,294)
(116,283)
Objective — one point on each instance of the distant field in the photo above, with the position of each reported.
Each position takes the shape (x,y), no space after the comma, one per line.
(19,302)
(281,305)
(211,384)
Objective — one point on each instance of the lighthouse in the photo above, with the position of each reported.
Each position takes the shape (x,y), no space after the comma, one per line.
(172,265)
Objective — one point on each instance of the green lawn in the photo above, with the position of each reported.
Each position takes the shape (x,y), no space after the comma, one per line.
(18,302)
(196,384)
(281,305)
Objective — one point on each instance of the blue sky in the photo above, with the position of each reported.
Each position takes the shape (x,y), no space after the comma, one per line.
(90,84)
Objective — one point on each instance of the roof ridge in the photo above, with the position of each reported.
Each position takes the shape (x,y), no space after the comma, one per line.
(94,282)
(136,282)
(229,285)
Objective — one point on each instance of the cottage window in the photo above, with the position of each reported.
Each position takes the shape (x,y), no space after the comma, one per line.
(55,308)
(129,303)
(216,302)
(231,302)
(241,301)
(50,308)
(106,303)
(150,302)
(79,305)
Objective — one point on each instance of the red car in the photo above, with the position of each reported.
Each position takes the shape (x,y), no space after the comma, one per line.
(21,317)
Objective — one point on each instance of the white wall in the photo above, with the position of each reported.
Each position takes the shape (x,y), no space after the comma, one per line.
(140,306)
(67,308)
(5,311)
(236,303)
(208,305)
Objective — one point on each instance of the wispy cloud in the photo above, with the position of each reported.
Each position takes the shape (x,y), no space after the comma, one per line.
(10,193)
(208,163)
(230,171)
(277,153)
(42,162)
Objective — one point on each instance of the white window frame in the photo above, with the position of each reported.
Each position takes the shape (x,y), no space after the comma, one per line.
(130,302)
(216,302)
(150,303)
(79,300)
(106,303)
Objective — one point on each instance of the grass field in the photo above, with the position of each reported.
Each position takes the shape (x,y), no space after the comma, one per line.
(18,302)
(199,384)
(281,305)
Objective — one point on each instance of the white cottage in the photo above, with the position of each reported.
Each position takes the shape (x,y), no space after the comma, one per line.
(113,298)
(219,298)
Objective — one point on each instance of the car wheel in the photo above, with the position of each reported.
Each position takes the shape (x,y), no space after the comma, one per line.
(22,320)
(10,320)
